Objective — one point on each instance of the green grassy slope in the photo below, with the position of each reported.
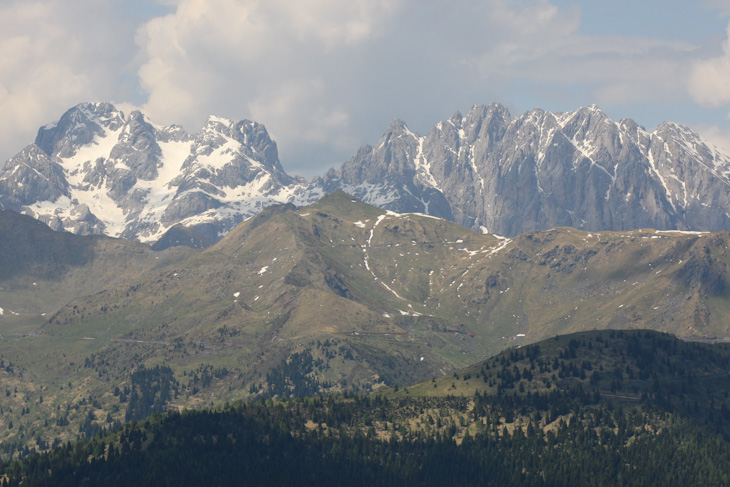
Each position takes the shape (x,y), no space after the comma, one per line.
(336,295)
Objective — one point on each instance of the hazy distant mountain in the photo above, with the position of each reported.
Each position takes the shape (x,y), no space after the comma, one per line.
(98,171)
(541,170)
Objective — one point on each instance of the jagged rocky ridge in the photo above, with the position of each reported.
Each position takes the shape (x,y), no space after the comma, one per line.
(97,171)
(542,170)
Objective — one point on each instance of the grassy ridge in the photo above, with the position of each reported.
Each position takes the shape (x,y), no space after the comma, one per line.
(355,297)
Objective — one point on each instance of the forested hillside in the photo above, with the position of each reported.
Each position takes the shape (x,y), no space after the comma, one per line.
(673,430)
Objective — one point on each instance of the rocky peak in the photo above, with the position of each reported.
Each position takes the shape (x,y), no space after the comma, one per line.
(96,170)
(542,169)
(390,157)
(28,175)
(456,119)
(485,123)
(77,127)
(254,137)
(172,133)
(218,124)
(125,176)
(584,122)
(137,148)
(397,126)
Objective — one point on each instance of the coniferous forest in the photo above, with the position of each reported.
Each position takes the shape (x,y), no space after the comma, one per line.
(328,442)
(598,408)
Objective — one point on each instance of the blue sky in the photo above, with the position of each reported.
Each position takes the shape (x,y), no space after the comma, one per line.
(326,76)
(678,19)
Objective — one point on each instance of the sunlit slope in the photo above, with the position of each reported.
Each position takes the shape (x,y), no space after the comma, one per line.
(336,295)
(343,267)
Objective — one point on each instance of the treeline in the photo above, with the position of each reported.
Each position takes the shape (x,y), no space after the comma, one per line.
(597,408)
(366,441)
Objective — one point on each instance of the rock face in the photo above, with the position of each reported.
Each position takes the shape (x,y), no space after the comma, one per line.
(97,171)
(541,170)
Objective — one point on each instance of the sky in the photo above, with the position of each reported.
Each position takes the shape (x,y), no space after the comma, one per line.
(326,76)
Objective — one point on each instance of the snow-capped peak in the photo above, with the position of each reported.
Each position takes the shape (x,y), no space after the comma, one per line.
(99,171)
(124,176)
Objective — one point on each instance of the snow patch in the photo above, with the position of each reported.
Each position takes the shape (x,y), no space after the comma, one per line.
(423,167)
(685,232)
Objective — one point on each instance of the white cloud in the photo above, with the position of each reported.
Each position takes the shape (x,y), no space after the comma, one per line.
(55,55)
(264,60)
(325,76)
(33,72)
(308,98)
(541,47)
(721,5)
(334,21)
(709,83)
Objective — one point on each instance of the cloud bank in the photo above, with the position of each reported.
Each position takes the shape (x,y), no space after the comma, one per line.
(709,82)
(56,54)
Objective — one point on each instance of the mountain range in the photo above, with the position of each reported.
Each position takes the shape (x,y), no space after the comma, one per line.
(99,171)
(489,232)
